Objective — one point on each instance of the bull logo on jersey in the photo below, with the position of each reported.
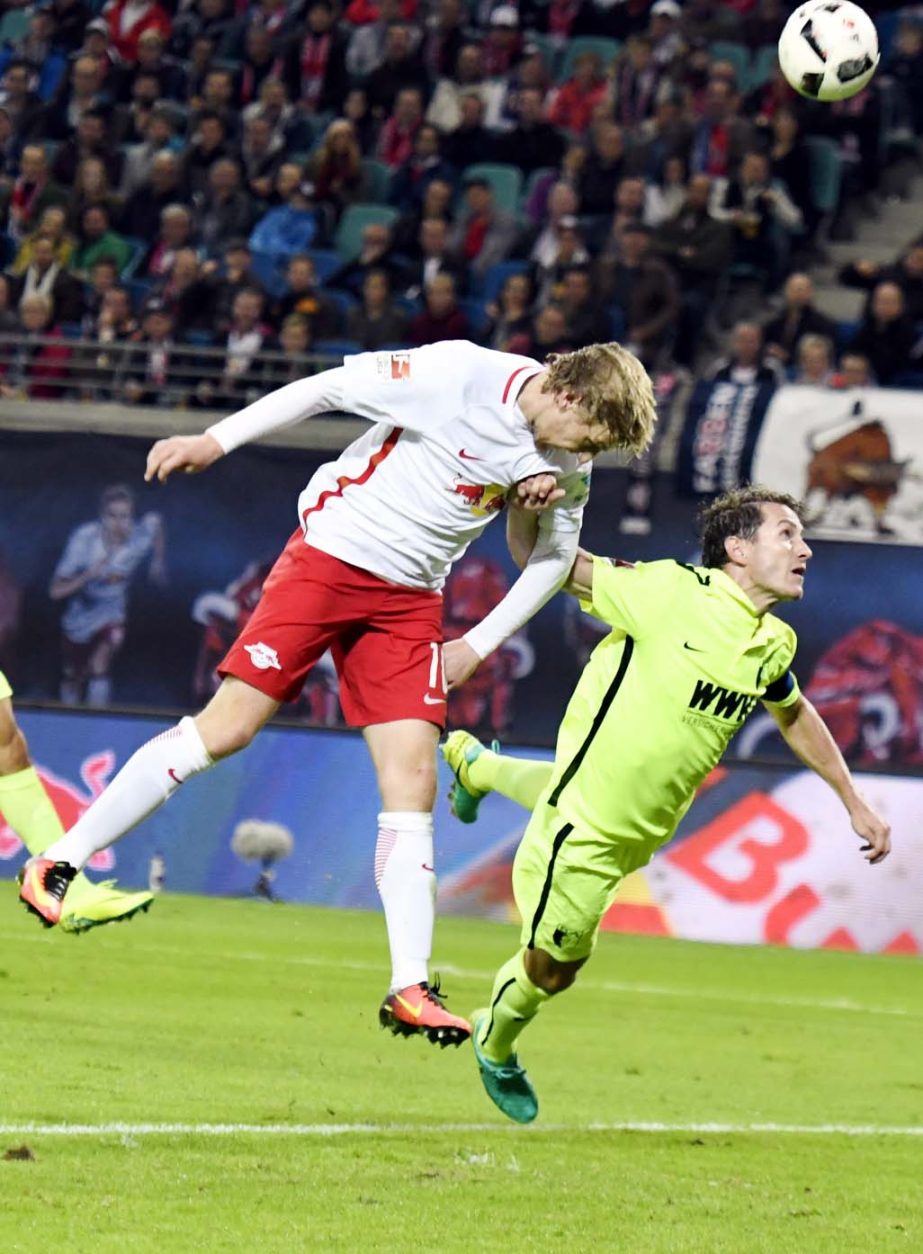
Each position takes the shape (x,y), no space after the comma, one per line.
(263,657)
(720,702)
(482,498)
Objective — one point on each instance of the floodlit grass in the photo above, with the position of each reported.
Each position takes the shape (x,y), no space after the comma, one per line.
(226,1012)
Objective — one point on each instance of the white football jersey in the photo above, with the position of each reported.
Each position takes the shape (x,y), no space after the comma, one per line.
(406,499)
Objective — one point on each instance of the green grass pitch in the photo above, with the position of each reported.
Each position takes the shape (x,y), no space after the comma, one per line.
(208,1012)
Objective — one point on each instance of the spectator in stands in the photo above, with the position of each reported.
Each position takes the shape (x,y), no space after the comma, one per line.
(905,64)
(295,343)
(53,226)
(636,82)
(291,225)
(154,61)
(91,186)
(549,333)
(31,193)
(187,293)
(36,366)
(366,49)
(9,322)
(113,327)
(377,252)
(533,143)
(9,149)
(356,109)
(483,234)
(503,43)
(71,18)
(467,79)
(128,19)
(115,321)
(158,137)
(262,58)
(285,120)
(667,134)
(219,96)
(395,139)
(21,103)
(886,336)
(240,380)
(798,317)
(665,196)
(906,272)
(529,73)
(549,266)
(306,297)
(411,179)
(198,63)
(82,90)
(665,32)
(130,121)
(441,318)
(45,276)
(644,288)
(855,372)
(722,136)
(377,322)
(511,315)
(444,38)
(176,231)
(790,163)
(602,170)
(542,246)
(262,151)
(572,107)
(587,319)
(205,20)
(150,373)
(96,45)
(142,215)
(315,72)
(815,361)
(208,144)
(226,277)
(336,168)
(435,257)
(760,212)
(470,141)
(224,210)
(629,207)
(104,275)
(747,363)
(98,239)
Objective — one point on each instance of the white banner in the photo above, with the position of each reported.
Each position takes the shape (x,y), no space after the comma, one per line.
(855,457)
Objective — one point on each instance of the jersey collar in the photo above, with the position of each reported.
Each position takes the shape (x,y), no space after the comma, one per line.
(733,589)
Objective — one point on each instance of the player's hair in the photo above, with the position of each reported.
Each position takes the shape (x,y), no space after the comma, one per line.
(613,387)
(116,492)
(738,513)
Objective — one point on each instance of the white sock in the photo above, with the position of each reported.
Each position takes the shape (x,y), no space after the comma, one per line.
(406,881)
(144,783)
(99,690)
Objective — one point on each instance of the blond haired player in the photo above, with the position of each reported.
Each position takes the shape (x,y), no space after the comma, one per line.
(455,429)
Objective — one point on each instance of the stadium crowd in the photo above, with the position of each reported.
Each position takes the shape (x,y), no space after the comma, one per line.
(202,201)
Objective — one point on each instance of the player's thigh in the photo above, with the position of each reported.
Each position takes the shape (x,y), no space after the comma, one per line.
(564,882)
(233,717)
(404,756)
(14,752)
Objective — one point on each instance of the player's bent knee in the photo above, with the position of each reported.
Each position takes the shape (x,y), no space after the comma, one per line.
(548,973)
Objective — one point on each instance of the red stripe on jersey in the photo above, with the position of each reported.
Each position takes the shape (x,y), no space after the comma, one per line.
(344,482)
(509,382)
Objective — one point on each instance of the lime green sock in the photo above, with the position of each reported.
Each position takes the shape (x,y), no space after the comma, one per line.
(521,779)
(27,808)
(514,1002)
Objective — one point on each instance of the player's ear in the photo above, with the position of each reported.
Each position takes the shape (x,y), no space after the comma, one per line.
(735,548)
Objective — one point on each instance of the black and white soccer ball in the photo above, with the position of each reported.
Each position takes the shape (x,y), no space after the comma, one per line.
(828,49)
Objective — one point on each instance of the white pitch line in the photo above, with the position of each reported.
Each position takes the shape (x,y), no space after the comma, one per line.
(421,1129)
(844,1004)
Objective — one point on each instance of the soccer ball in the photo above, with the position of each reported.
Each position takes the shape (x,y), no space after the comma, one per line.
(828,49)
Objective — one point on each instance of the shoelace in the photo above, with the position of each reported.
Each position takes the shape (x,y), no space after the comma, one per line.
(434,993)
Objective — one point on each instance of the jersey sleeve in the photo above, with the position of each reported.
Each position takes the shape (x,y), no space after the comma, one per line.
(632,598)
(781,685)
(76,556)
(419,390)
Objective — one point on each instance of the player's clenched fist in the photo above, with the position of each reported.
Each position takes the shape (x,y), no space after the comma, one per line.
(186,453)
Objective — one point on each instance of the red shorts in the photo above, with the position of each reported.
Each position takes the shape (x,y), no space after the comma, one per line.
(386,640)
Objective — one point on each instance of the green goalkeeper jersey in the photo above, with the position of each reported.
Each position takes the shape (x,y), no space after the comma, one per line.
(660,698)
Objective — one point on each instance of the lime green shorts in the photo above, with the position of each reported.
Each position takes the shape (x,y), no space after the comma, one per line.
(564,881)
(5,689)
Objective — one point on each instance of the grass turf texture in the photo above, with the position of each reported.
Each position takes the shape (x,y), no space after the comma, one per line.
(228,1012)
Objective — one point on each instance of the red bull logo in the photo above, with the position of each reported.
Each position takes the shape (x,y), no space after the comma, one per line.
(482,498)
(69,803)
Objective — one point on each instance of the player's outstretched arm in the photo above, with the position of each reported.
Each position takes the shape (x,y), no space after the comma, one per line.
(810,739)
(186,453)
(580,579)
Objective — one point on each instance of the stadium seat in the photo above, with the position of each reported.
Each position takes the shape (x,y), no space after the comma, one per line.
(738,55)
(267,269)
(476,314)
(826,173)
(489,287)
(506,181)
(550,50)
(606,49)
(14,24)
(763,66)
(344,301)
(846,329)
(376,180)
(337,348)
(139,251)
(138,290)
(198,338)
(348,240)
(326,261)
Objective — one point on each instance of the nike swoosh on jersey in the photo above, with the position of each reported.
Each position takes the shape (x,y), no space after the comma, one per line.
(469,457)
(692,648)
(428,700)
